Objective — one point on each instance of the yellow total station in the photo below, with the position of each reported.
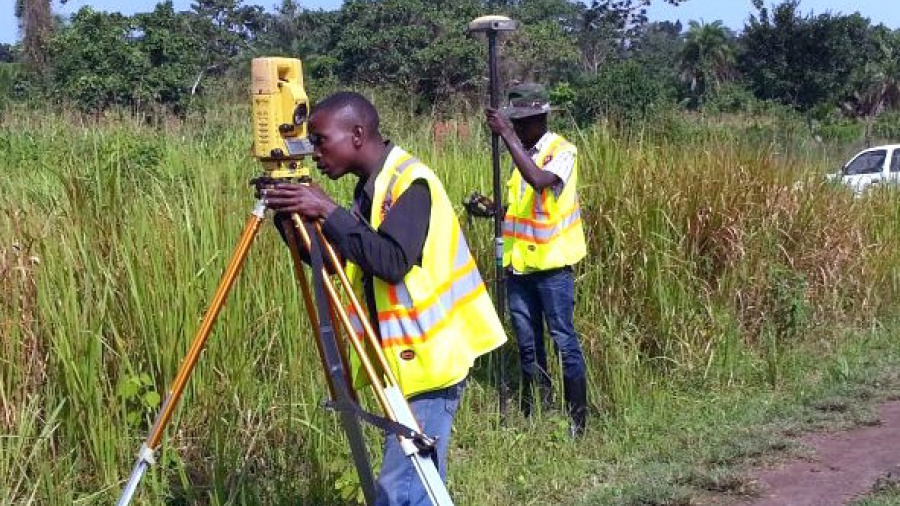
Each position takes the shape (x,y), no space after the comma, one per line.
(280,114)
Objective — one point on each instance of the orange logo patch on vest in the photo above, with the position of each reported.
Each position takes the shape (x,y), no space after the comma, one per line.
(407,354)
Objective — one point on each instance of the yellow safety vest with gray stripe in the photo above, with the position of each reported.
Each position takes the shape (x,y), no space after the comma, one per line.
(439,319)
(541,230)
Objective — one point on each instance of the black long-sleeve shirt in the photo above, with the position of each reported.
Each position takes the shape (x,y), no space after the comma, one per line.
(394,248)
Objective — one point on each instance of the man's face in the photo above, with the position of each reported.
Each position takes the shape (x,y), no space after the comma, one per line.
(530,128)
(334,143)
(520,126)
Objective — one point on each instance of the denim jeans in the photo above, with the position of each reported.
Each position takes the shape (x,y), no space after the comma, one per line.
(398,484)
(545,296)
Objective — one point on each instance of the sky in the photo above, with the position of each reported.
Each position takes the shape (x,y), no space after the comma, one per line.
(732,12)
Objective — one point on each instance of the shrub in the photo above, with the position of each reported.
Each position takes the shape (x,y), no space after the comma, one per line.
(623,92)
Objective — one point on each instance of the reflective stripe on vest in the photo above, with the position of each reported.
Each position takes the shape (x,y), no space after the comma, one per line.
(540,232)
(401,327)
(418,324)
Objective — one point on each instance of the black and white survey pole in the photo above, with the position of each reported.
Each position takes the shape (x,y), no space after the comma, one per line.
(491,27)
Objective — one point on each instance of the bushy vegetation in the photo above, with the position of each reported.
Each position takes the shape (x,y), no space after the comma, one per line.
(618,64)
(709,269)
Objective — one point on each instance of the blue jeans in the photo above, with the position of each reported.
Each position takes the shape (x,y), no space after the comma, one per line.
(398,484)
(545,296)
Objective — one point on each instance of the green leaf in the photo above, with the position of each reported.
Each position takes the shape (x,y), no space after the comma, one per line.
(128,388)
(151,399)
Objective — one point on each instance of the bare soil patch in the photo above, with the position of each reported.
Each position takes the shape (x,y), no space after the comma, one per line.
(845,466)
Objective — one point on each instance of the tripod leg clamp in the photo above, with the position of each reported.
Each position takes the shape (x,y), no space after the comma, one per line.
(145,454)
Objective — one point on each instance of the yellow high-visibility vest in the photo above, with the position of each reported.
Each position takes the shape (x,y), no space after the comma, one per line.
(439,319)
(541,230)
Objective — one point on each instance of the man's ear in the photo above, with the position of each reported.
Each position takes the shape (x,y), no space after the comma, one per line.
(358,135)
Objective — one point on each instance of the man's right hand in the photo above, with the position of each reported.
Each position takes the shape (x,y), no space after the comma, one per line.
(498,124)
(307,200)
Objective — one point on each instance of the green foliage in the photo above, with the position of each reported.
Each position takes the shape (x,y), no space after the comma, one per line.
(138,398)
(562,95)
(888,126)
(803,60)
(170,54)
(8,53)
(544,48)
(885,492)
(116,233)
(226,29)
(732,98)
(841,132)
(658,48)
(94,65)
(622,93)
(413,45)
(875,85)
(107,59)
(12,77)
(419,51)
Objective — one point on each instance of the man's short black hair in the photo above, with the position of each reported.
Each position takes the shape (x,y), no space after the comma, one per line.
(358,108)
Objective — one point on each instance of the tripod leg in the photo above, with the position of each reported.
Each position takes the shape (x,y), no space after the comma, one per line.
(308,301)
(146,455)
(335,367)
(345,359)
(371,372)
(311,310)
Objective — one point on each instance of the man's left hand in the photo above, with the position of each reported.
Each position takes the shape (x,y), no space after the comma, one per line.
(309,201)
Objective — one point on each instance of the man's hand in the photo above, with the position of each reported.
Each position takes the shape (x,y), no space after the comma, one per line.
(309,201)
(498,124)
(479,205)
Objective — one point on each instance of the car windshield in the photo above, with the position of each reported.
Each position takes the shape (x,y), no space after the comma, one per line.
(871,162)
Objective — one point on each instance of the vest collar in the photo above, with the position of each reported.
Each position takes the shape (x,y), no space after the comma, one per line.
(368,186)
(542,143)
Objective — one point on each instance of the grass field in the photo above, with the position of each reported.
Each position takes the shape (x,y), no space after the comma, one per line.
(727,295)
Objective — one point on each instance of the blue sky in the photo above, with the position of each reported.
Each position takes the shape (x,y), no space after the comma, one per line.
(732,12)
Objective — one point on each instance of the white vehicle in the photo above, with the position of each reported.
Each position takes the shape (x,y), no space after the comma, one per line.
(878,165)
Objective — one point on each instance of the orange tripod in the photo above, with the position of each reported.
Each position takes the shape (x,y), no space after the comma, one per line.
(322,308)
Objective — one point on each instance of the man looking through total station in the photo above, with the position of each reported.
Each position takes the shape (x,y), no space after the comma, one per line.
(408,260)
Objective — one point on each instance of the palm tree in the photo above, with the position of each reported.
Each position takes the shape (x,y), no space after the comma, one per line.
(877,89)
(708,56)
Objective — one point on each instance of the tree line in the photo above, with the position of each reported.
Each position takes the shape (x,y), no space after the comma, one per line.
(603,58)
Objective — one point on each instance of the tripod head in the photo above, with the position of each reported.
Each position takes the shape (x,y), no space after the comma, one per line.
(280,109)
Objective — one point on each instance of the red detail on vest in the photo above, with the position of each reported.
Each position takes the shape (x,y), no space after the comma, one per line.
(407,354)
(547,160)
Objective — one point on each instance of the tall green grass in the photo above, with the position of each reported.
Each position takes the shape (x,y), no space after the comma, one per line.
(713,254)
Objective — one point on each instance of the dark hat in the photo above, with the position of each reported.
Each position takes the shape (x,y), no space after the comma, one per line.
(527,99)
